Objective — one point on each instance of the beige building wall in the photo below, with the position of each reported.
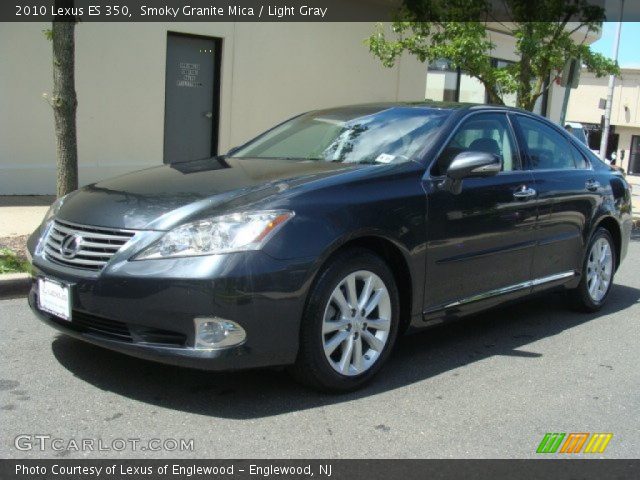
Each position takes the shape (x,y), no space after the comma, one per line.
(625,111)
(269,72)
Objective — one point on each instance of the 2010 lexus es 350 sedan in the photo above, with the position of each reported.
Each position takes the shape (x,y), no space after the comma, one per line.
(320,241)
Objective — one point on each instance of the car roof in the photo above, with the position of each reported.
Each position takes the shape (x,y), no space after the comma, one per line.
(350,111)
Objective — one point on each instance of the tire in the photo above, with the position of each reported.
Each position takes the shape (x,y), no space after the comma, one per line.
(329,322)
(587,297)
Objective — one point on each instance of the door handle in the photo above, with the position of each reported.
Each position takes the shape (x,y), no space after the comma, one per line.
(209,114)
(524,192)
(592,185)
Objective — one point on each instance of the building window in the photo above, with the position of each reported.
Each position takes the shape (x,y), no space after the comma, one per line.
(442,82)
(509,99)
(471,90)
(448,84)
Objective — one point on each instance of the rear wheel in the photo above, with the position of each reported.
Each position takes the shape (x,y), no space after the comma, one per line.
(350,323)
(597,273)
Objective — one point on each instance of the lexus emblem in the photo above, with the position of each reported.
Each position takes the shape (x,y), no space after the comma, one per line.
(70,246)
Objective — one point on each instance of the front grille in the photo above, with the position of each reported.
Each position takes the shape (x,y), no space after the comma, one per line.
(94,245)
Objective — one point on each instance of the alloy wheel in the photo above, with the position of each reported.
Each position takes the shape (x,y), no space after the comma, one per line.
(599,269)
(356,323)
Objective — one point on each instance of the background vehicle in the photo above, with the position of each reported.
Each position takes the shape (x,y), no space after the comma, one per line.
(317,243)
(578,131)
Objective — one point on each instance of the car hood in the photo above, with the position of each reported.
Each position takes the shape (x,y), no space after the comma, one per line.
(158,198)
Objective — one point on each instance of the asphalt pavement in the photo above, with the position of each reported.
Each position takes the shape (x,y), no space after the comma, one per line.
(488,386)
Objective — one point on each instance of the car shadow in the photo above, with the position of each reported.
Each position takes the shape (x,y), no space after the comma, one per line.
(262,393)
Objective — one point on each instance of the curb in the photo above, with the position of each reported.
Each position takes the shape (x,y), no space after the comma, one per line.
(14,285)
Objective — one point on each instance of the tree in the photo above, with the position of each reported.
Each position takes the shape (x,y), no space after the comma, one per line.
(64,101)
(440,29)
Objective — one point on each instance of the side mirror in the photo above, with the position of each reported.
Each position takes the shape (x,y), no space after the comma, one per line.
(468,165)
(474,164)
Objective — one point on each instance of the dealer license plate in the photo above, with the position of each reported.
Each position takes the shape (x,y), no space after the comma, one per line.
(54,298)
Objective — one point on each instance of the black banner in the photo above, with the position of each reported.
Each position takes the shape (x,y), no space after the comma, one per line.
(320,469)
(298,10)
(199,10)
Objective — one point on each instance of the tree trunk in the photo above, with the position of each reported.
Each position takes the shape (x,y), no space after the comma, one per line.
(525,77)
(494,98)
(64,103)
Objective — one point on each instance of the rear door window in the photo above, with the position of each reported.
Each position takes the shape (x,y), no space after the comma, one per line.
(579,158)
(547,148)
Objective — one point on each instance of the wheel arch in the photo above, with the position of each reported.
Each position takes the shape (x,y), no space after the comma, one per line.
(613,227)
(395,259)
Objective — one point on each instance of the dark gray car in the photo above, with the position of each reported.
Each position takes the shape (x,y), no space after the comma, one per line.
(317,243)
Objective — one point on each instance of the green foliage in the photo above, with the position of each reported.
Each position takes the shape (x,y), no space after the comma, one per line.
(11,263)
(434,29)
(48,34)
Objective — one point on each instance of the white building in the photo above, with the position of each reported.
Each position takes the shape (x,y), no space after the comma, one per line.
(625,114)
(148,90)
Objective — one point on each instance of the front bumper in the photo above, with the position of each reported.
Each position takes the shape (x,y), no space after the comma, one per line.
(147,308)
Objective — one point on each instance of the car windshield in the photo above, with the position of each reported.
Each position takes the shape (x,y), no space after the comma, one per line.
(394,135)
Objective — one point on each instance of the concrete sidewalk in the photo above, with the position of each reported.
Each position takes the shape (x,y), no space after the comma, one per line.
(21,214)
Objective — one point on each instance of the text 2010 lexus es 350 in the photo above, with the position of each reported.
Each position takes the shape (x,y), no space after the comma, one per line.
(315,244)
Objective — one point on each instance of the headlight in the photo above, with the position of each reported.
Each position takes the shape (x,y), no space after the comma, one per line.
(228,233)
(53,209)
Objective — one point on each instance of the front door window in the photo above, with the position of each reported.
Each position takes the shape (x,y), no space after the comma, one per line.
(489,133)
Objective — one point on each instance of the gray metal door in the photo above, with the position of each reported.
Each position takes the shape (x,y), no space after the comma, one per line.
(634,155)
(192,88)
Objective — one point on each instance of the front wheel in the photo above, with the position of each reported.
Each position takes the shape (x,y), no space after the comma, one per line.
(350,323)
(597,273)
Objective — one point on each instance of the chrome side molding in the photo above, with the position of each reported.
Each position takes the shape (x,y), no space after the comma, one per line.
(503,290)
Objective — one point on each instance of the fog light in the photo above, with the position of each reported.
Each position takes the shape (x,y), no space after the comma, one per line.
(212,333)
